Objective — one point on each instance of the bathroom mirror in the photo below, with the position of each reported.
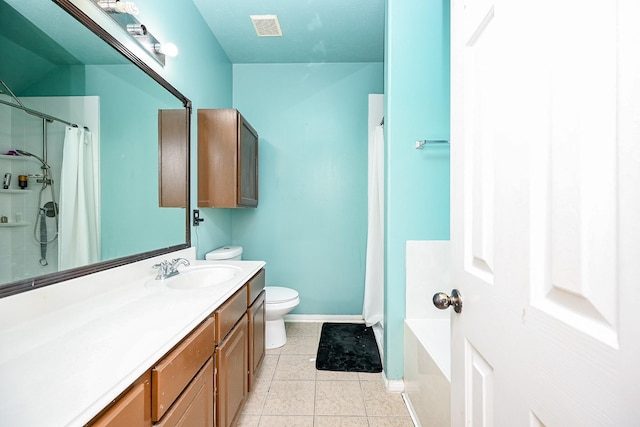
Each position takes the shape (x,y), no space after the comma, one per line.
(59,61)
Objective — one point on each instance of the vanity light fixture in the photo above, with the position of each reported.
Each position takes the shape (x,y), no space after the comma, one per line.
(117,6)
(137,30)
(122,12)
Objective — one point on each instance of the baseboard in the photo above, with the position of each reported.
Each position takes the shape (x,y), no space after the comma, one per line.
(412,412)
(393,386)
(335,318)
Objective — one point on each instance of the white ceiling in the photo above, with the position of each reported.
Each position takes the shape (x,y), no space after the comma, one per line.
(314,31)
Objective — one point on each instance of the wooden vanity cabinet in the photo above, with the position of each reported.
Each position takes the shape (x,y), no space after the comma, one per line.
(257,324)
(227,160)
(131,409)
(195,405)
(256,313)
(204,380)
(232,358)
(171,376)
(177,391)
(231,373)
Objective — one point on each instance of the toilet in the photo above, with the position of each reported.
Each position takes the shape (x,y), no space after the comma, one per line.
(278,300)
(226,253)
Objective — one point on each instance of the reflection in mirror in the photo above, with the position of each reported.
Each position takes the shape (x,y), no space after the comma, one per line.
(91,195)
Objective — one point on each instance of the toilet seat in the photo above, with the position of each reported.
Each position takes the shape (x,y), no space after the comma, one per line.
(279,294)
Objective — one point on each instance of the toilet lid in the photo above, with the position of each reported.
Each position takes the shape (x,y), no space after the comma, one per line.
(278,294)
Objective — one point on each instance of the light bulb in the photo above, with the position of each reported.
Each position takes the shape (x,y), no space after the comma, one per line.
(117,6)
(168,49)
(131,8)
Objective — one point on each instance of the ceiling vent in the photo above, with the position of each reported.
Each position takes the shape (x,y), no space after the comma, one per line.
(266,25)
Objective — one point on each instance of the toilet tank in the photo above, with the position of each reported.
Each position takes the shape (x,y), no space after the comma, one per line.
(227,253)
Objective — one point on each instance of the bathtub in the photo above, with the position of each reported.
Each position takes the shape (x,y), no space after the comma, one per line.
(427,358)
(427,371)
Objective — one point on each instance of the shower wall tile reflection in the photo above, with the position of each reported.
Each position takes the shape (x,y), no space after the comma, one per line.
(20,250)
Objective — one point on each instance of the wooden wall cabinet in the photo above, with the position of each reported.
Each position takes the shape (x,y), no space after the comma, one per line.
(173,157)
(227,160)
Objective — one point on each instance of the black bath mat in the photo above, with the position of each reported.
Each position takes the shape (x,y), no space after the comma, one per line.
(348,347)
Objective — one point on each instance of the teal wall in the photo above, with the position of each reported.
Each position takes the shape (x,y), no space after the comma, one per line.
(203,73)
(417,181)
(310,225)
(130,219)
(129,100)
(313,205)
(59,81)
(311,222)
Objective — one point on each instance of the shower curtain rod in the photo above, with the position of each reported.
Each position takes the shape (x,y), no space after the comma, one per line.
(29,110)
(39,114)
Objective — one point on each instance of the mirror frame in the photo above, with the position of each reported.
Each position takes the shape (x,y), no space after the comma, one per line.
(37,282)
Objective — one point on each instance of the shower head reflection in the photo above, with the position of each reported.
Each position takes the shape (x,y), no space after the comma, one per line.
(26,153)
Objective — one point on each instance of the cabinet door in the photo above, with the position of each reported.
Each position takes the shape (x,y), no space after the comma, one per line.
(256,336)
(217,162)
(227,160)
(248,167)
(231,373)
(173,155)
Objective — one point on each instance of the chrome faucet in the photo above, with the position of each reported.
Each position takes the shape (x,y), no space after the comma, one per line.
(168,268)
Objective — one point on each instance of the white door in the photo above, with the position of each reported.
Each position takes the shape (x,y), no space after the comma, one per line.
(545,143)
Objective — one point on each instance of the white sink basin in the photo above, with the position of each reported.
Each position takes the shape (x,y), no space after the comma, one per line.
(202,276)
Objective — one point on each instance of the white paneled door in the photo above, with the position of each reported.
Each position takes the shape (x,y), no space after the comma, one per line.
(545,142)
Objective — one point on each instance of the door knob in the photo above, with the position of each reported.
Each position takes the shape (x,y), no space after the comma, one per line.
(442,300)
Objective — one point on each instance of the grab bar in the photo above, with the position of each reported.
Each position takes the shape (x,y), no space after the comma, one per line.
(421,143)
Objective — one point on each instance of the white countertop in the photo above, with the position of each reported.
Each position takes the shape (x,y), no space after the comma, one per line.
(62,366)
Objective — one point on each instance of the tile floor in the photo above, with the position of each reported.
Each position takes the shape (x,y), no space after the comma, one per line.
(290,392)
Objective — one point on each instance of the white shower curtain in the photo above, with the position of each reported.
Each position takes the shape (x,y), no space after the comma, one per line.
(79,227)
(373,308)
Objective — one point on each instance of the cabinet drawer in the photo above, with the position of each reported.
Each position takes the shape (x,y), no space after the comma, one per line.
(195,405)
(255,286)
(176,369)
(127,412)
(229,313)
(131,409)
